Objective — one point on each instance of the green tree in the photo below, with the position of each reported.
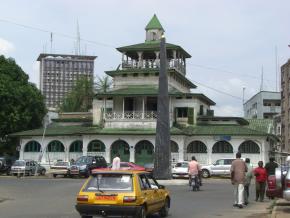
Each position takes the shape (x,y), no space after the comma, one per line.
(21,103)
(102,85)
(80,98)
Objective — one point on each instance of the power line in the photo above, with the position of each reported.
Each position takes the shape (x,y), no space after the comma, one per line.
(56,33)
(219,91)
(226,71)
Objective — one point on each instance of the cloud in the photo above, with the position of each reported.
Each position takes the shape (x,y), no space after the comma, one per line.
(6,47)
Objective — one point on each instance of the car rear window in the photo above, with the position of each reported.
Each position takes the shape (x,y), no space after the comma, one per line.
(110,182)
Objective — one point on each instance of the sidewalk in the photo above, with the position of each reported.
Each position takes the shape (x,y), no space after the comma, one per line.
(281,209)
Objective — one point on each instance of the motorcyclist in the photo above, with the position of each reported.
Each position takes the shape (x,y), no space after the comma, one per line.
(194,169)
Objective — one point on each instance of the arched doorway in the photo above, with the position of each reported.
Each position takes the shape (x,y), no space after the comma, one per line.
(144,152)
(174,151)
(251,150)
(76,150)
(31,150)
(120,147)
(55,151)
(96,147)
(197,149)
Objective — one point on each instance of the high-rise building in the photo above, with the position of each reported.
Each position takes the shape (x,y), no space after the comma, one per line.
(285,113)
(59,72)
(263,105)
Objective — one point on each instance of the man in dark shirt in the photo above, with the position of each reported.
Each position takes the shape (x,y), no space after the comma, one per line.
(271,166)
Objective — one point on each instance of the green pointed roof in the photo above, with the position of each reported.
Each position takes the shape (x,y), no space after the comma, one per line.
(154,23)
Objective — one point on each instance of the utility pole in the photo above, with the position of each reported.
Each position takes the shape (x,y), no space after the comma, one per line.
(162,160)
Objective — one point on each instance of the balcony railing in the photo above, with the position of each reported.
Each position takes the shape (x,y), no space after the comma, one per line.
(153,64)
(131,115)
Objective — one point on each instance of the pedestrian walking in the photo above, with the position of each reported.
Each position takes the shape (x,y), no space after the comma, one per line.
(261,177)
(238,174)
(116,162)
(271,166)
(249,176)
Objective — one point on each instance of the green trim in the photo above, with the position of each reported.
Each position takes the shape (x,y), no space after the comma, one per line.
(239,120)
(114,73)
(154,23)
(151,46)
(72,120)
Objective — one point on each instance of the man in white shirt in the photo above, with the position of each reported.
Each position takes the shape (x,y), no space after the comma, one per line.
(116,162)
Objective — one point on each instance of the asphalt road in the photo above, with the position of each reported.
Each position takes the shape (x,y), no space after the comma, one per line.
(55,198)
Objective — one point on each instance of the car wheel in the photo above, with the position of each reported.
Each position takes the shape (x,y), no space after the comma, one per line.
(165,209)
(54,175)
(205,174)
(42,172)
(142,213)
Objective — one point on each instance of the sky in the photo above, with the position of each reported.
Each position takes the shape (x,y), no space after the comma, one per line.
(231,42)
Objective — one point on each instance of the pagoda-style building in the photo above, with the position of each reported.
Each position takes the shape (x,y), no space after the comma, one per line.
(124,117)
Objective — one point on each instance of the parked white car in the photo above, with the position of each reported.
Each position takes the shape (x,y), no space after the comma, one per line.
(220,167)
(180,169)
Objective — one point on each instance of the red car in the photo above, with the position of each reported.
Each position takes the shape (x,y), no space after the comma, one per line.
(125,166)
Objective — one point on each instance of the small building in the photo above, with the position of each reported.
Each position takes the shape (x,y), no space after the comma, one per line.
(124,118)
(263,105)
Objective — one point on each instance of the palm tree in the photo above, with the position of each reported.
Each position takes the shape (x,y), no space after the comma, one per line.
(102,85)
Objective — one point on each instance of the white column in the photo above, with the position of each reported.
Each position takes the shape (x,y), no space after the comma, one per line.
(181,149)
(86,141)
(140,61)
(108,156)
(21,152)
(157,58)
(132,154)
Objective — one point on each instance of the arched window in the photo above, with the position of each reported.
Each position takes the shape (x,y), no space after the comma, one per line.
(76,146)
(32,146)
(222,147)
(96,146)
(249,147)
(196,147)
(144,145)
(174,147)
(55,146)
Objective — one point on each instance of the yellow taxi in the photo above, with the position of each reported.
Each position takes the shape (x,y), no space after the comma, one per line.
(122,193)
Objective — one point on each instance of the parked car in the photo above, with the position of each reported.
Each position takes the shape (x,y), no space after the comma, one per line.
(180,169)
(149,167)
(85,164)
(122,193)
(60,168)
(5,165)
(220,167)
(26,167)
(286,192)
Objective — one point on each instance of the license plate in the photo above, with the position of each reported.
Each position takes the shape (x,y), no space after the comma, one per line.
(106,198)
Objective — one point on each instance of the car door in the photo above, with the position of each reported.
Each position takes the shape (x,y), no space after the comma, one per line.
(227,166)
(158,193)
(218,167)
(147,194)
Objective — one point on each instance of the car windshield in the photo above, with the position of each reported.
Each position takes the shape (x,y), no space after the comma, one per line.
(19,163)
(181,165)
(83,160)
(110,182)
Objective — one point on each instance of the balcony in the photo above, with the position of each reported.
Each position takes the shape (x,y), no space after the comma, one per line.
(131,119)
(153,64)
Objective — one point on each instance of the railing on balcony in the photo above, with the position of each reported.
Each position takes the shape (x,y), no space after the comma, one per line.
(153,64)
(131,115)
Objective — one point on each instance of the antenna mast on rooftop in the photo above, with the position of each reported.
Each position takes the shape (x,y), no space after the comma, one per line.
(51,41)
(262,79)
(78,45)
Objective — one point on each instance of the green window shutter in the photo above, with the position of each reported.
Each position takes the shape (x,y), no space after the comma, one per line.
(190,115)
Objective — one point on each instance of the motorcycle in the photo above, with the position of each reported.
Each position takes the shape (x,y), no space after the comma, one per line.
(194,183)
